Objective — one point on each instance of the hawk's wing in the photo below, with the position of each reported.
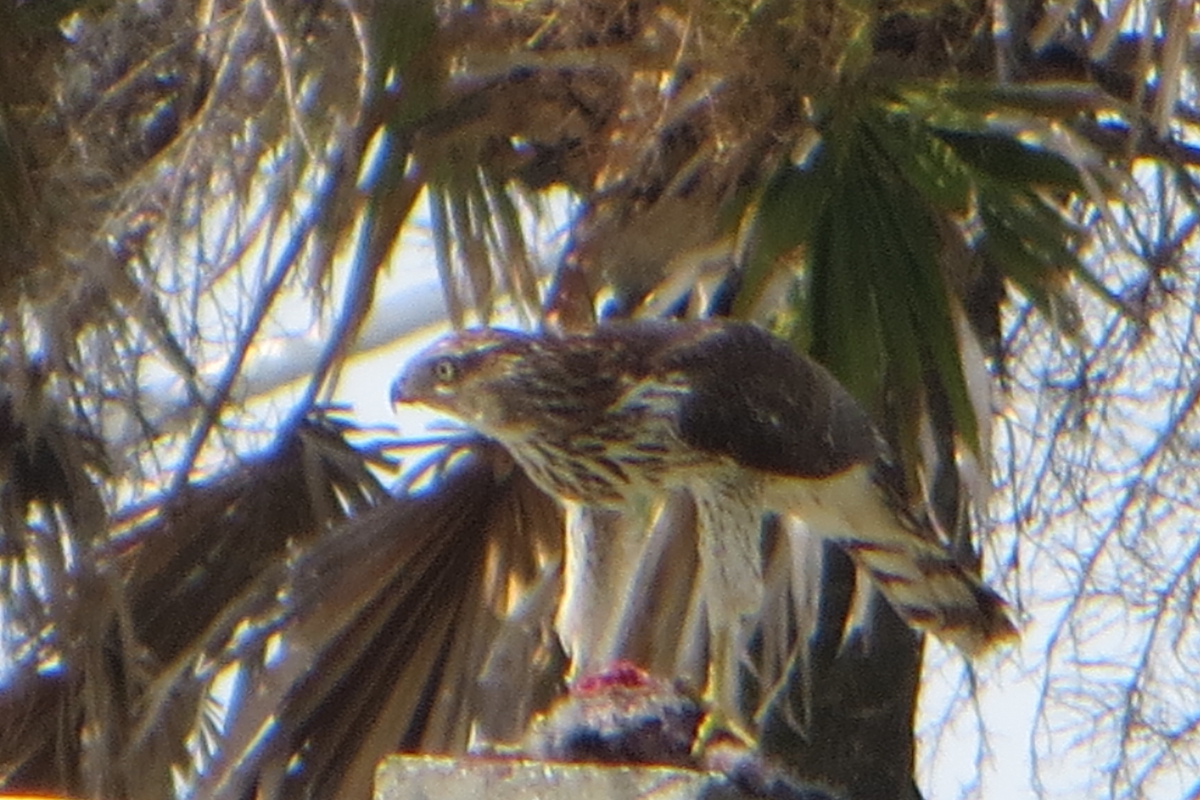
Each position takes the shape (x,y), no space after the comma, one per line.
(758,401)
(755,400)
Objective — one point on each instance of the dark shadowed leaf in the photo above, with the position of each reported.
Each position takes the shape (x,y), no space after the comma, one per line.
(784,216)
(924,162)
(1013,163)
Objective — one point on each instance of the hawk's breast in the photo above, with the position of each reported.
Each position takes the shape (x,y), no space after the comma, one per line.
(632,451)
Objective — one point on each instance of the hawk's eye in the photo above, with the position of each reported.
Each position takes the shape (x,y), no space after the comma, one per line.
(445,370)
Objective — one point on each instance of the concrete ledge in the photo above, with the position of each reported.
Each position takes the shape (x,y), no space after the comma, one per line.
(403,777)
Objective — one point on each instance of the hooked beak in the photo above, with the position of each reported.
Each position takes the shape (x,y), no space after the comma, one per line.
(402,391)
(414,385)
(406,389)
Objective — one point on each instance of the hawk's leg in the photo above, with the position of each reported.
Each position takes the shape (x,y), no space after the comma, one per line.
(730,528)
(722,696)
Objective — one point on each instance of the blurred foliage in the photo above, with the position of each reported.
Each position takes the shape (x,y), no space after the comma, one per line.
(887,184)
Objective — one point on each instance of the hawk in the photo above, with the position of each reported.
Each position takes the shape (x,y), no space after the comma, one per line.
(732,414)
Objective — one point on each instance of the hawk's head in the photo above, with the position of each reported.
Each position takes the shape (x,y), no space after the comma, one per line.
(466,375)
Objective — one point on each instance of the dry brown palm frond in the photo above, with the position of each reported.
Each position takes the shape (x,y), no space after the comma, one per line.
(148,131)
(202,546)
(73,660)
(383,633)
(91,657)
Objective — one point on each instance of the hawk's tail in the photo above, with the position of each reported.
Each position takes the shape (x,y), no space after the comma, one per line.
(932,592)
(928,588)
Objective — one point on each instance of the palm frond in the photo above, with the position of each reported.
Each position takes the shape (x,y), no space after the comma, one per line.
(383,630)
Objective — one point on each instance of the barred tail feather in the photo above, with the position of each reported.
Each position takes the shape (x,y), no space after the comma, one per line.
(926,586)
(932,592)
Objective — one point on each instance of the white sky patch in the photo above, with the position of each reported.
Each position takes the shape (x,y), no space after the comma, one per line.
(1100,543)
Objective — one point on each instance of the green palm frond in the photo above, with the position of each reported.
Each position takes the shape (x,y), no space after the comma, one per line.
(864,217)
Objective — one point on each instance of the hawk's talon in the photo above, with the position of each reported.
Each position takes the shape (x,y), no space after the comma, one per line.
(717,730)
